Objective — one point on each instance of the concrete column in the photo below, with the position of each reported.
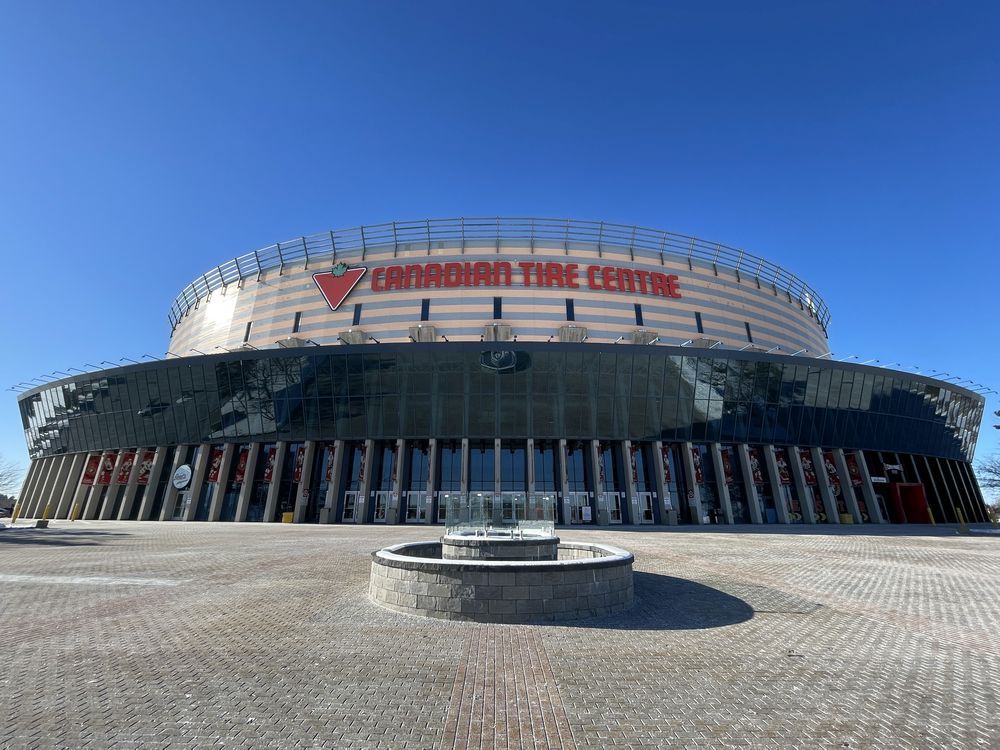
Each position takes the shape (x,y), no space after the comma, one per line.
(871,501)
(720,478)
(529,465)
(222,485)
(563,480)
(170,492)
(801,488)
(45,502)
(328,513)
(940,516)
(959,491)
(776,486)
(432,454)
(58,486)
(631,503)
(81,492)
(91,504)
(693,506)
(600,500)
(846,486)
(109,497)
(155,472)
(667,513)
(198,472)
(131,485)
(246,490)
(497,465)
(304,487)
(823,480)
(753,499)
(34,469)
(465,466)
(280,449)
(33,502)
(399,481)
(70,485)
(364,501)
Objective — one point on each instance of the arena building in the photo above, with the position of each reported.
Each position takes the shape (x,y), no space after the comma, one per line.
(633,376)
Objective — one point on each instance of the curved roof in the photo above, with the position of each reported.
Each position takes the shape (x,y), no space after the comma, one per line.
(438,233)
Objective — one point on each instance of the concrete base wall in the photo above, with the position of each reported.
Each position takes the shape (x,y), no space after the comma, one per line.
(595,581)
(498,548)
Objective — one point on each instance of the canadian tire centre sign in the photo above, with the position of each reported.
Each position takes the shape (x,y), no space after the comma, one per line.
(338,283)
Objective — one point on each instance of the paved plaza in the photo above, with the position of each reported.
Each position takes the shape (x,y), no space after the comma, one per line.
(220,635)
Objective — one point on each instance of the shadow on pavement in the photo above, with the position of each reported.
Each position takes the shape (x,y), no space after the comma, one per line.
(668,603)
(56,537)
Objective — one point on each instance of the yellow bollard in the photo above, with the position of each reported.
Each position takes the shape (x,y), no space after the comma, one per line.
(45,513)
(962,526)
(17,510)
(75,512)
(930,513)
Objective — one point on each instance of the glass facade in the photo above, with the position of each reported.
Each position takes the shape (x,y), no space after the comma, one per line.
(544,391)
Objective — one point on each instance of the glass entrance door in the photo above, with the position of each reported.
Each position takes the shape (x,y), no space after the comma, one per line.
(183,503)
(513,507)
(350,507)
(417,507)
(614,500)
(577,508)
(645,514)
(383,501)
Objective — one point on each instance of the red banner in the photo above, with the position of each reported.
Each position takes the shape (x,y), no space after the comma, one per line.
(600,466)
(361,470)
(145,467)
(853,469)
(214,464)
(331,454)
(125,468)
(632,450)
(727,465)
(755,468)
(665,455)
(300,457)
(784,471)
(107,467)
(831,471)
(90,472)
(241,466)
(699,477)
(808,471)
(269,465)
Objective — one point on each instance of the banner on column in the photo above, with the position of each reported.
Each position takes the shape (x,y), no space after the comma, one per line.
(361,470)
(107,467)
(632,450)
(853,469)
(90,472)
(727,465)
(808,470)
(600,466)
(241,466)
(781,460)
(665,455)
(699,477)
(214,464)
(755,468)
(145,467)
(300,458)
(331,453)
(269,464)
(128,459)
(831,471)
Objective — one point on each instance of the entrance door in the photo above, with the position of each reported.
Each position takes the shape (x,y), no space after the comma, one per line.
(645,514)
(382,502)
(512,507)
(350,507)
(614,500)
(183,503)
(417,507)
(577,508)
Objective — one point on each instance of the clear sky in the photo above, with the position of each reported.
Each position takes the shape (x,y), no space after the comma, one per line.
(855,143)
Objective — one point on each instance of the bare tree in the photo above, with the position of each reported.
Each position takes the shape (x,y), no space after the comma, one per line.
(10,476)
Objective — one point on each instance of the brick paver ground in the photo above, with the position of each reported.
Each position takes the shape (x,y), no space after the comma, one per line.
(220,635)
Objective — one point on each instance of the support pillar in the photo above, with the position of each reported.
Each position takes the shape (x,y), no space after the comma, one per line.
(109,497)
(667,504)
(775,478)
(131,485)
(170,492)
(45,502)
(431,497)
(153,482)
(564,481)
(222,483)
(82,491)
(529,465)
(846,486)
(70,484)
(801,488)
(246,489)
(753,499)
(823,480)
(280,449)
(34,469)
(631,504)
(33,502)
(601,500)
(364,490)
(720,479)
(693,507)
(334,464)
(868,490)
(305,483)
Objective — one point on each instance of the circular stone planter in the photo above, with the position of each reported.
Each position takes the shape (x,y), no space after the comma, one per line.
(587,580)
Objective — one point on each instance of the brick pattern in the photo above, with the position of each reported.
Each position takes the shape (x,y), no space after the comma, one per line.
(505,695)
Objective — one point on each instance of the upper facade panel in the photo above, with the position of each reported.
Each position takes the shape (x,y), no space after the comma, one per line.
(457,279)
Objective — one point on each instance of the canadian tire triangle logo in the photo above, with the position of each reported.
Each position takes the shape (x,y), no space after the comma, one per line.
(336,284)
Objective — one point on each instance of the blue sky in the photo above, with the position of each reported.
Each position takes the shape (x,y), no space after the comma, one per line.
(855,143)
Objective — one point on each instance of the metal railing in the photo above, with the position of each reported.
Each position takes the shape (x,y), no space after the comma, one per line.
(433,234)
